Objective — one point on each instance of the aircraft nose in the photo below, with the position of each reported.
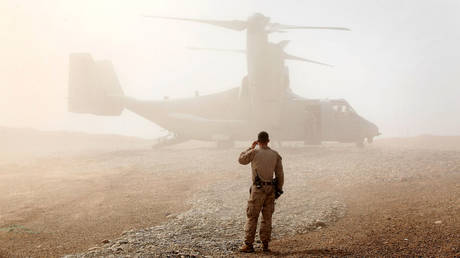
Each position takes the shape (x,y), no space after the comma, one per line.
(371,129)
(374,130)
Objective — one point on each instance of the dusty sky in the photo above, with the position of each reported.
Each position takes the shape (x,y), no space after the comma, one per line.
(399,66)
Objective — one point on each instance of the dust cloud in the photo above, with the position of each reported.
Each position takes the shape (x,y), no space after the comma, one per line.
(397,67)
(104,179)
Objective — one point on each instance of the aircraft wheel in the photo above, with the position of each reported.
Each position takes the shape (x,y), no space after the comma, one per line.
(370,139)
(360,143)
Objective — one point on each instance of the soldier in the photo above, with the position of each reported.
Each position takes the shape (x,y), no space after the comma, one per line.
(264,163)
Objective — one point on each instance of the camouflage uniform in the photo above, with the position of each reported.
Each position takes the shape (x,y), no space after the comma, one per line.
(264,163)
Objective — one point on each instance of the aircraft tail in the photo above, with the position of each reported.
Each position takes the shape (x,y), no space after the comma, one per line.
(93,86)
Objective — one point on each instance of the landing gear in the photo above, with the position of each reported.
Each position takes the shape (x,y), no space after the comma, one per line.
(168,140)
(370,139)
(360,143)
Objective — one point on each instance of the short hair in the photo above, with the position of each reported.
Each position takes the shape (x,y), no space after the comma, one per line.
(262,137)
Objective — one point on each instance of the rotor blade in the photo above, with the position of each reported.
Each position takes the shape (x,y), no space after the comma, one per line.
(233,25)
(241,51)
(277,26)
(286,27)
(291,57)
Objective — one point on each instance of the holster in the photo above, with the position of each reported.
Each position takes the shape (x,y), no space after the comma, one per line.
(278,192)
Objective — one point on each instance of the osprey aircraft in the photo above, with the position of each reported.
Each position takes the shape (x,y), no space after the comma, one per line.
(263,101)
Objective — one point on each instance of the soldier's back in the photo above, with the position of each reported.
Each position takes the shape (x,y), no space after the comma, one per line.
(265,160)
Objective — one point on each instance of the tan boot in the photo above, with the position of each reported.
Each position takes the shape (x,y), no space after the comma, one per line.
(265,247)
(247,248)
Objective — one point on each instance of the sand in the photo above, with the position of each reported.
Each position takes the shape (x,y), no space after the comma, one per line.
(395,197)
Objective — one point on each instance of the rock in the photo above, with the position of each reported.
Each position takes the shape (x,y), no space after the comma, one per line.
(105,241)
(319,223)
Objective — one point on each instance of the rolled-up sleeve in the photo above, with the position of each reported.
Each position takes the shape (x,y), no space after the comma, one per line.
(246,156)
(279,173)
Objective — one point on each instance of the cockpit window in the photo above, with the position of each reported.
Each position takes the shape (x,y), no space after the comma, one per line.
(350,109)
(342,108)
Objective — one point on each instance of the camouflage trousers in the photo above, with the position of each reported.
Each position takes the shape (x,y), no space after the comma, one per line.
(260,200)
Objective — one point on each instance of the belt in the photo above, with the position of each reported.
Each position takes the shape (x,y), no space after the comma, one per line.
(265,183)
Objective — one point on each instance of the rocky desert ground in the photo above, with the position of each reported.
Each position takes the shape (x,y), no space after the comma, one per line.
(78,195)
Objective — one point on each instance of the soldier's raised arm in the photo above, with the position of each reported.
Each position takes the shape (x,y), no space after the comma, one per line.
(279,173)
(248,155)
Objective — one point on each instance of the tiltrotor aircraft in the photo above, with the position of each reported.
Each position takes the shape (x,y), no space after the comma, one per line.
(263,101)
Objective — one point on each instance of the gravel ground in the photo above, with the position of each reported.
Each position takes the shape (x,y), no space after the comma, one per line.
(314,177)
(214,224)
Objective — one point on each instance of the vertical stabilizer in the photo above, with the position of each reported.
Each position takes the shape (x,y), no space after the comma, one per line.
(93,86)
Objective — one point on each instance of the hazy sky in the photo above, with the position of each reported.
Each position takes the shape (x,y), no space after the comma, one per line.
(399,67)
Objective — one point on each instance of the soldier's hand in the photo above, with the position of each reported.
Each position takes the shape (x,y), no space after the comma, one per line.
(254,144)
